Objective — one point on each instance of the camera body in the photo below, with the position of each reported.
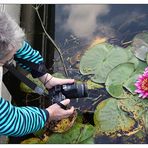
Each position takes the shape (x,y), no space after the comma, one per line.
(69,91)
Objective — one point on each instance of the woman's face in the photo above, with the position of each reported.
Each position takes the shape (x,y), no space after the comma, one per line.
(8,57)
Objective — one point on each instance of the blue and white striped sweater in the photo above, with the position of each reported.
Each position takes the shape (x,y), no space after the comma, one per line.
(19,121)
(29,54)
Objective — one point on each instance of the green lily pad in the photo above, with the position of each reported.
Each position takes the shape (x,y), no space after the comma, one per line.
(116,56)
(140,45)
(92,85)
(31,141)
(110,120)
(130,84)
(133,105)
(116,79)
(79,133)
(93,57)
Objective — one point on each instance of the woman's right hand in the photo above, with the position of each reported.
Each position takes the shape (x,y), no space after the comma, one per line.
(57,113)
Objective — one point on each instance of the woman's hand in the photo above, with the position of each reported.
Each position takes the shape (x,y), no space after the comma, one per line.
(50,81)
(57,113)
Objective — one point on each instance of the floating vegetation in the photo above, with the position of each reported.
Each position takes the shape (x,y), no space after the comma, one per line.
(63,125)
(91,85)
(117,77)
(140,45)
(110,120)
(78,134)
(101,59)
(111,73)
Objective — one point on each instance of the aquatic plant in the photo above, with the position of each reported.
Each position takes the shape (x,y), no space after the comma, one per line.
(140,45)
(78,134)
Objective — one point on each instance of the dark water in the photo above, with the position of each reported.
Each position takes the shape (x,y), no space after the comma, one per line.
(117,22)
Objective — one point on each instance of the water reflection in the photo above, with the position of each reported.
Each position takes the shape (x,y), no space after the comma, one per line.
(82,23)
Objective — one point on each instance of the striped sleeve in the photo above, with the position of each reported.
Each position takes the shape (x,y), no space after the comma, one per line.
(19,121)
(31,55)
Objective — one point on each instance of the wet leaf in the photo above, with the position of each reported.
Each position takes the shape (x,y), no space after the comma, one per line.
(130,84)
(133,105)
(110,120)
(62,125)
(31,141)
(116,79)
(93,58)
(92,85)
(35,140)
(140,45)
(79,133)
(115,57)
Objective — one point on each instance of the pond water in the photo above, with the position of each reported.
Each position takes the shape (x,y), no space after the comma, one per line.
(78,26)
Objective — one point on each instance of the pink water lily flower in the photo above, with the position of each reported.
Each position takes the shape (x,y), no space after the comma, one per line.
(142,85)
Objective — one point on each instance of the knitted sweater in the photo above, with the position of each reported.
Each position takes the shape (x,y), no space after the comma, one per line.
(19,121)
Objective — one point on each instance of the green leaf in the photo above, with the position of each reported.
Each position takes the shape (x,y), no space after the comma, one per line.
(79,133)
(116,90)
(93,57)
(116,56)
(110,119)
(116,79)
(130,84)
(140,45)
(92,85)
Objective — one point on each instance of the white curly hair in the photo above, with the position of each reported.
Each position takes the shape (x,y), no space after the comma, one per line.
(11,34)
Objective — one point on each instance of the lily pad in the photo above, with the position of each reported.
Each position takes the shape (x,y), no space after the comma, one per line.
(130,84)
(116,56)
(116,79)
(79,133)
(92,85)
(63,125)
(140,45)
(110,120)
(93,57)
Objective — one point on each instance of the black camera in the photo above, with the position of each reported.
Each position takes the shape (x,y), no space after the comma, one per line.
(69,91)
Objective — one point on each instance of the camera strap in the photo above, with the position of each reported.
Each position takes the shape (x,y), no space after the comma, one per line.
(24,79)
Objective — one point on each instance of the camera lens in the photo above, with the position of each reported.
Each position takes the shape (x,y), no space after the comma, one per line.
(74,90)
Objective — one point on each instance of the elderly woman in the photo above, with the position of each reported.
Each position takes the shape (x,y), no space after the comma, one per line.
(19,121)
